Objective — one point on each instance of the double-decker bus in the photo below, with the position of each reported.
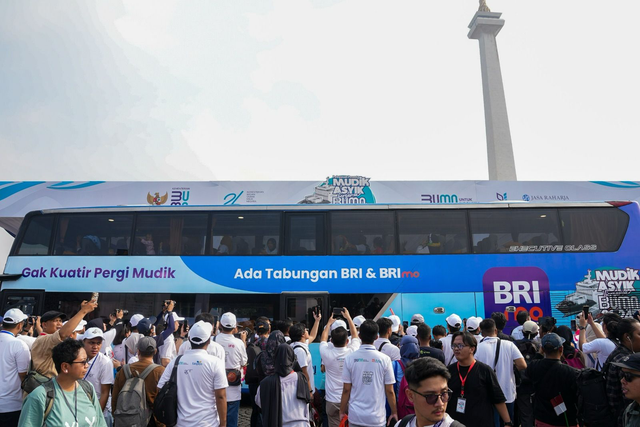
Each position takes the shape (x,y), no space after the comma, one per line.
(284,261)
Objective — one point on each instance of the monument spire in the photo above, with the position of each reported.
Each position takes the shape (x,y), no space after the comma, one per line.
(484,27)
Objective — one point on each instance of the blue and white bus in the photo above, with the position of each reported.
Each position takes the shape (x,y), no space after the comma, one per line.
(284,261)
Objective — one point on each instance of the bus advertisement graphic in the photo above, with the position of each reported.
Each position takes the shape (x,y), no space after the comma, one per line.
(604,290)
(522,288)
(342,190)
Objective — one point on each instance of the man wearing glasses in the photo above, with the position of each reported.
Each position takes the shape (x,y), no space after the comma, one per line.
(631,388)
(428,391)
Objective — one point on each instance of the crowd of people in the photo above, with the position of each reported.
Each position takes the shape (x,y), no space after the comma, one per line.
(60,372)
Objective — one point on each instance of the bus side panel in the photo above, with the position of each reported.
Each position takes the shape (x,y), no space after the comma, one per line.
(429,305)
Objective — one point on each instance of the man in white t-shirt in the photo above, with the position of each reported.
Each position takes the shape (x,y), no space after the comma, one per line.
(15,359)
(100,370)
(382,344)
(300,339)
(201,381)
(235,358)
(508,356)
(333,360)
(454,323)
(601,346)
(213,348)
(368,377)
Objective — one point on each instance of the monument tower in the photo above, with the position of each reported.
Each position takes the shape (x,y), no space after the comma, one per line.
(484,27)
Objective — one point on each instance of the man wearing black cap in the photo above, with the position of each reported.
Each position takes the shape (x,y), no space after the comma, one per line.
(631,388)
(53,333)
(555,386)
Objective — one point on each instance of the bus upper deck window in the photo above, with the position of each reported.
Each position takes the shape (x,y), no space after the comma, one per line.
(37,236)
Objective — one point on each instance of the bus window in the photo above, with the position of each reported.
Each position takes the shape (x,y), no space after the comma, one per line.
(433,232)
(506,230)
(362,232)
(93,234)
(593,229)
(305,234)
(246,233)
(170,234)
(37,236)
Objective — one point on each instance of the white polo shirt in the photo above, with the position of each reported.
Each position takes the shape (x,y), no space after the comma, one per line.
(27,340)
(333,361)
(199,376)
(389,349)
(15,358)
(100,371)
(213,348)
(168,349)
(602,347)
(486,354)
(303,355)
(368,371)
(235,357)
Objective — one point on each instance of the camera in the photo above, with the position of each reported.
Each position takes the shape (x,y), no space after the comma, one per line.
(247,330)
(32,320)
(168,302)
(337,312)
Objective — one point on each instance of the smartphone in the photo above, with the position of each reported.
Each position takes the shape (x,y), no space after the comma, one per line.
(337,311)
(94,297)
(585,311)
(573,325)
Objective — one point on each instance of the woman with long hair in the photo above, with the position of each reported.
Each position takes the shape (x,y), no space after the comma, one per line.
(570,355)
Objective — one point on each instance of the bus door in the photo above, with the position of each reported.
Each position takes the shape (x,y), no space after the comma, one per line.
(299,307)
(30,302)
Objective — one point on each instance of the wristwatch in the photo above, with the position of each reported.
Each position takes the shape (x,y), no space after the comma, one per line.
(509,423)
(582,328)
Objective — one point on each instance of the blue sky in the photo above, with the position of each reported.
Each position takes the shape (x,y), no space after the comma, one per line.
(298,90)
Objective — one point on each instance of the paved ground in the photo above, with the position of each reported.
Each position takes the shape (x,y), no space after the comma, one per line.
(245,413)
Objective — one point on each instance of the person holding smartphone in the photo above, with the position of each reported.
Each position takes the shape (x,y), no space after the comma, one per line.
(593,340)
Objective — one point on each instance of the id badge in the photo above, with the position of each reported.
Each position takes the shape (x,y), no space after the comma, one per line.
(461,405)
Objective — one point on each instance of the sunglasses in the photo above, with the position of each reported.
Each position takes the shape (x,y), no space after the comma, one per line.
(433,398)
(82,362)
(628,376)
(458,346)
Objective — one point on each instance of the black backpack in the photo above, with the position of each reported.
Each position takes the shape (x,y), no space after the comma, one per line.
(252,376)
(593,409)
(165,407)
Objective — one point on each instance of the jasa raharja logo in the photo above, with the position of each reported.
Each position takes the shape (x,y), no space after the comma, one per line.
(180,196)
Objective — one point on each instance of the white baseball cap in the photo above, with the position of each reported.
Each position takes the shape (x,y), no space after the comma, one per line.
(228,320)
(395,320)
(473,323)
(338,324)
(177,317)
(454,320)
(92,333)
(14,316)
(80,326)
(358,320)
(412,330)
(135,319)
(200,332)
(417,318)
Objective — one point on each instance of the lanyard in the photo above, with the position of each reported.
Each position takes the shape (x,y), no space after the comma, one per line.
(95,359)
(8,333)
(75,398)
(463,380)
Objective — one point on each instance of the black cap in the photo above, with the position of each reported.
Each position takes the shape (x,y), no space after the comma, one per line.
(50,315)
(629,362)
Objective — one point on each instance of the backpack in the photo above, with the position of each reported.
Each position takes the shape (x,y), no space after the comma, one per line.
(405,406)
(50,388)
(132,409)
(165,407)
(593,408)
(33,380)
(252,376)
